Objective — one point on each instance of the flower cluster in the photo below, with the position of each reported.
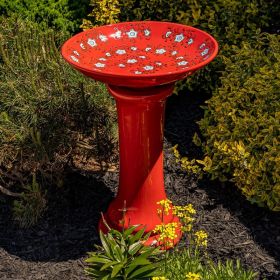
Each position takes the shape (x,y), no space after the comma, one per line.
(201,238)
(185,215)
(167,233)
(159,278)
(193,276)
(166,206)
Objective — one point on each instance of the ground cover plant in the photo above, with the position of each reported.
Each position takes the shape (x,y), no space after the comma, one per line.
(48,114)
(123,254)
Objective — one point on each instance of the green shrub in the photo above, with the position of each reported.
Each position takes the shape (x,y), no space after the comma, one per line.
(58,14)
(241,123)
(49,113)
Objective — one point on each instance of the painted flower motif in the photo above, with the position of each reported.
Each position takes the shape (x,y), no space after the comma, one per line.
(82,46)
(132,33)
(74,58)
(160,51)
(103,38)
(99,65)
(76,53)
(174,53)
(179,57)
(133,48)
(138,72)
(168,33)
(120,52)
(190,41)
(148,67)
(205,52)
(182,62)
(147,32)
(131,60)
(148,49)
(116,35)
(102,59)
(107,54)
(91,42)
(121,65)
(142,56)
(179,38)
(202,45)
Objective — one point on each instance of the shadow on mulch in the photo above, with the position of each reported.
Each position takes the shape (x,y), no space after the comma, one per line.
(68,228)
(263,226)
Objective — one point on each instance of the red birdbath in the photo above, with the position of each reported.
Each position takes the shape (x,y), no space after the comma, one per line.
(140,62)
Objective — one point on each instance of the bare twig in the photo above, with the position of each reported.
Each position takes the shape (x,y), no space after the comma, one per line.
(7,192)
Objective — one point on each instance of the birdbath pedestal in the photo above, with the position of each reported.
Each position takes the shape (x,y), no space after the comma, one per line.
(140,63)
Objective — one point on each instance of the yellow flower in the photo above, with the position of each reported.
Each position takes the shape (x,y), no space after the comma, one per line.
(193,276)
(166,205)
(167,233)
(159,278)
(201,238)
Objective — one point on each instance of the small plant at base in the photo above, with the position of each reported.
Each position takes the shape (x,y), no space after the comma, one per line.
(123,255)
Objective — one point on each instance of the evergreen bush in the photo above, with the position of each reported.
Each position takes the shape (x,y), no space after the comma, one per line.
(49,113)
(63,15)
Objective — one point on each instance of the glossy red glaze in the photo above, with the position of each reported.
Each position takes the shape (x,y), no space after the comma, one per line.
(140,62)
(140,54)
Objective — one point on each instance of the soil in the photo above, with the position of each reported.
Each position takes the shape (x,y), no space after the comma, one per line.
(55,248)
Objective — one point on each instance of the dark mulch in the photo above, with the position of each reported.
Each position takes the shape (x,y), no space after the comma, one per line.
(57,246)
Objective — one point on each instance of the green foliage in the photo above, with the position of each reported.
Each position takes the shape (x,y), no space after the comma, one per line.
(123,255)
(49,113)
(59,14)
(29,208)
(241,122)
(190,262)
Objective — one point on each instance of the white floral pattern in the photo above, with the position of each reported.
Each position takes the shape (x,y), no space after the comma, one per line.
(92,42)
(147,32)
(160,51)
(179,38)
(148,67)
(182,62)
(116,35)
(100,65)
(205,52)
(120,52)
(168,33)
(74,58)
(140,58)
(132,33)
(103,38)
(131,61)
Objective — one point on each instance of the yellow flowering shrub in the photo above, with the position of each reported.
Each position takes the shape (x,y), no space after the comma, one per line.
(103,12)
(241,123)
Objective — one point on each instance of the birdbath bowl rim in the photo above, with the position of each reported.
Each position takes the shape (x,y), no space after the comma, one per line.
(140,53)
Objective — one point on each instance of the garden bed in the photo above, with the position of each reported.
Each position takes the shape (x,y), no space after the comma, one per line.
(56,247)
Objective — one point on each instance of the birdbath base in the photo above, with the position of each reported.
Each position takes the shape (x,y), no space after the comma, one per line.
(141,181)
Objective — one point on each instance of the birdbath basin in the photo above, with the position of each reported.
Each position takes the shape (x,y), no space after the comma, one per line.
(140,62)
